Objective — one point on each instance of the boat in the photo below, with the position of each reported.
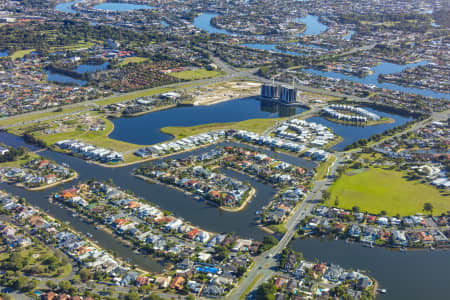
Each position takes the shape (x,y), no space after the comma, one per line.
(88,235)
(382,291)
(403,249)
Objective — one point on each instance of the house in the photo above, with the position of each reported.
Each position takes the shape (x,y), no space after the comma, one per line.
(319,268)
(177,283)
(163,281)
(212,291)
(142,280)
(333,273)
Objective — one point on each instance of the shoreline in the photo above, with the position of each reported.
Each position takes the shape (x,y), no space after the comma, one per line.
(240,208)
(40,188)
(367,124)
(243,205)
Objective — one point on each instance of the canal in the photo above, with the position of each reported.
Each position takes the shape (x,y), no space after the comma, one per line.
(407,275)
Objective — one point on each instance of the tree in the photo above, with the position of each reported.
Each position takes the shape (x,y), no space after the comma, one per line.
(326,195)
(428,207)
(356,209)
(266,291)
(134,296)
(85,275)
(336,201)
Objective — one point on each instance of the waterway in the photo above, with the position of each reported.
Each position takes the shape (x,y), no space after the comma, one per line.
(313,27)
(351,134)
(89,68)
(66,7)
(60,78)
(120,7)
(383,68)
(125,129)
(411,275)
(81,69)
(4,53)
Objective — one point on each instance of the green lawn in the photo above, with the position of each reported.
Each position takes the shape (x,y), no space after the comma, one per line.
(374,190)
(21,53)
(133,59)
(98,138)
(254,125)
(28,156)
(196,74)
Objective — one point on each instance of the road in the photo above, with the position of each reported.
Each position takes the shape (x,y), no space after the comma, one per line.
(267,263)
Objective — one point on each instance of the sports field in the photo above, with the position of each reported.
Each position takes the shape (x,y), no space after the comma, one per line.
(375,189)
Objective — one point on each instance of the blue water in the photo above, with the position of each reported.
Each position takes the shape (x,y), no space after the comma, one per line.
(270,47)
(203,21)
(88,68)
(349,35)
(66,7)
(351,134)
(384,68)
(4,53)
(164,23)
(145,129)
(59,78)
(121,6)
(313,25)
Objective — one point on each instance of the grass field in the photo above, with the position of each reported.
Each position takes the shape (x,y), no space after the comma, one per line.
(254,125)
(196,74)
(322,169)
(133,59)
(17,120)
(20,161)
(142,93)
(374,190)
(77,46)
(98,138)
(21,53)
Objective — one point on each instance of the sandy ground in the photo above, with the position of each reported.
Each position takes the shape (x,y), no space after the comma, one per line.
(224,92)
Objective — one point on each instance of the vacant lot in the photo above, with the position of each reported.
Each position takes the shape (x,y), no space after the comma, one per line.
(254,125)
(374,190)
(196,74)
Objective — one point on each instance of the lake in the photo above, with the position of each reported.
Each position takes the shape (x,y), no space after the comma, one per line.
(120,7)
(407,275)
(81,69)
(66,7)
(128,129)
(60,78)
(383,68)
(351,134)
(4,53)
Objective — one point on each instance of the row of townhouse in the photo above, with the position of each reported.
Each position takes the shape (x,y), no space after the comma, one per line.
(181,144)
(89,152)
